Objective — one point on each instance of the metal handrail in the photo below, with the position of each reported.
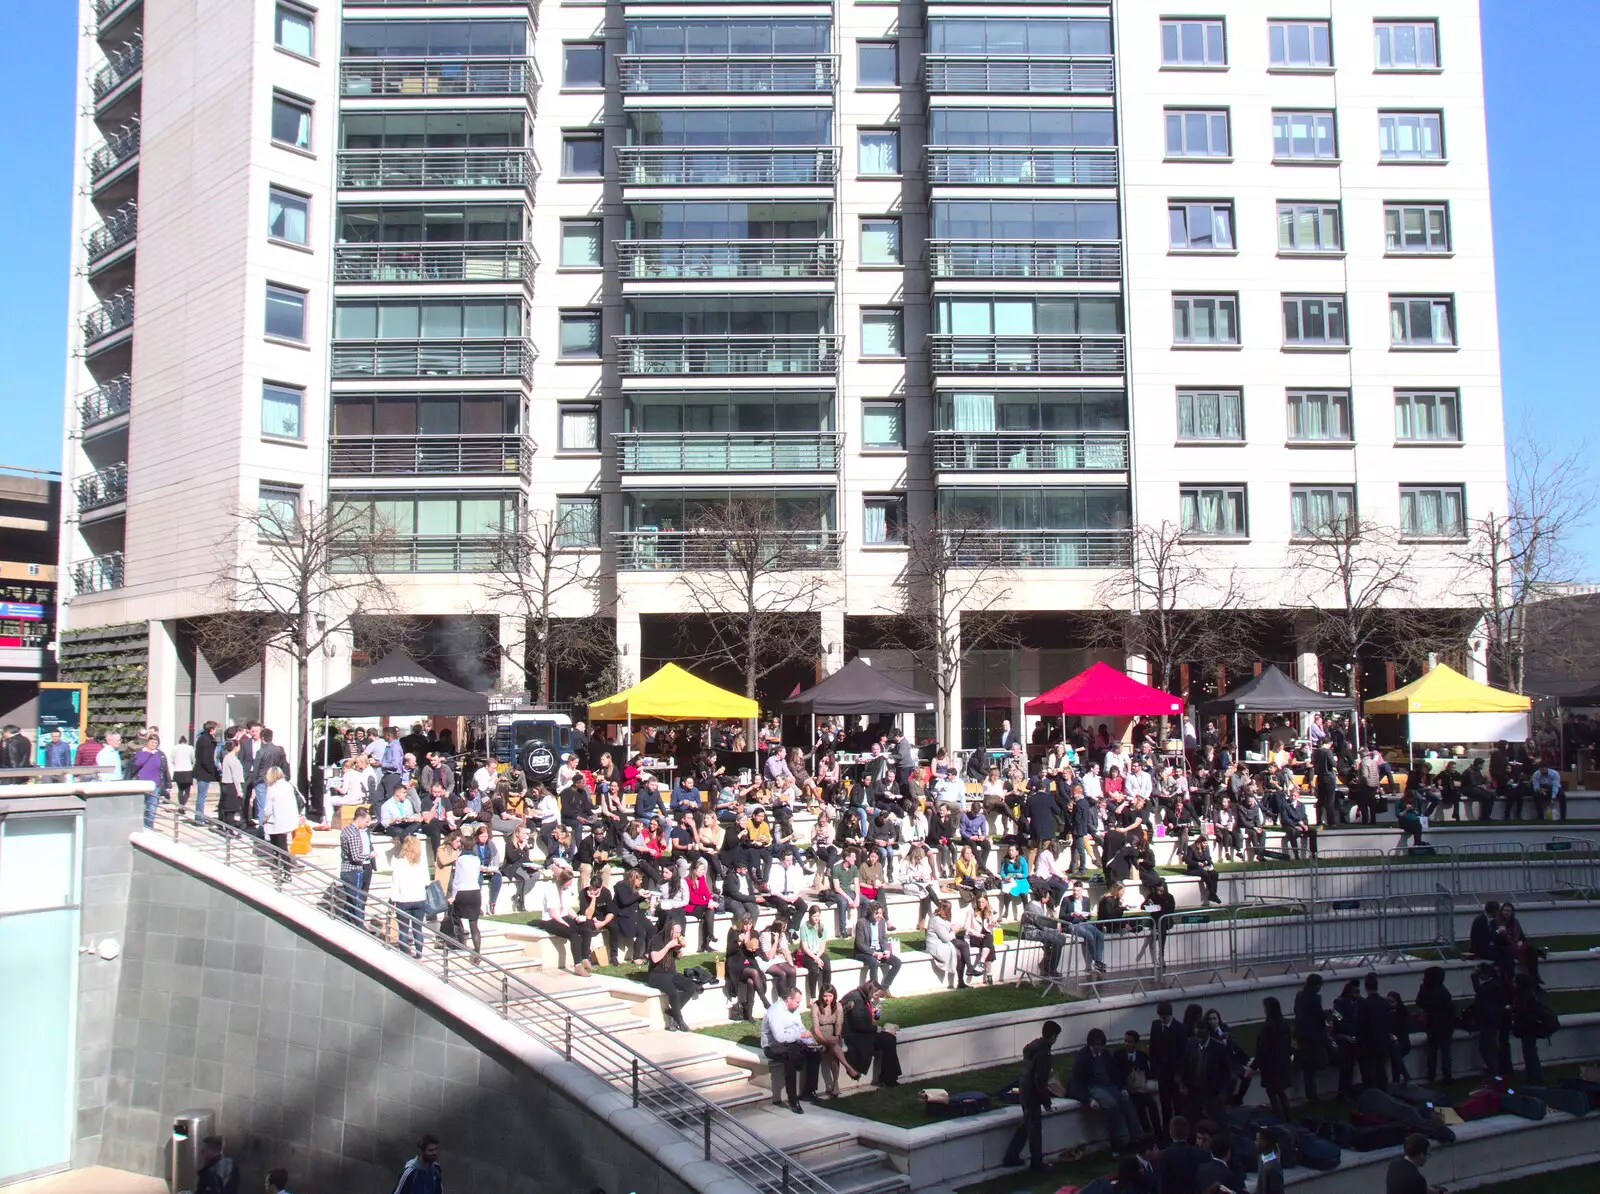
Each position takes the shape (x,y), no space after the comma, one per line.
(121,65)
(1034,451)
(111,315)
(461,455)
(512,357)
(713,260)
(435,553)
(728,451)
(1021,165)
(951,353)
(104,8)
(106,401)
(725,74)
(98,574)
(691,550)
(1003,548)
(430,78)
(952,257)
(105,487)
(118,229)
(1020,74)
(116,149)
(548,1020)
(647,355)
(406,169)
(435,261)
(727,165)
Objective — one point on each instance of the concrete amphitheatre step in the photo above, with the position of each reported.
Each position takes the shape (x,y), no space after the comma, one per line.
(830,1152)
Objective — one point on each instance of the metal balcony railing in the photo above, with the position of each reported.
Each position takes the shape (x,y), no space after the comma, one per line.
(1022,166)
(432,78)
(1030,451)
(437,553)
(1078,260)
(725,74)
(439,261)
(711,260)
(112,315)
(106,401)
(650,355)
(445,455)
(411,169)
(104,488)
(1018,74)
(104,9)
(433,358)
(996,548)
(691,551)
(98,574)
(119,228)
(1027,354)
(728,451)
(114,151)
(121,65)
(729,166)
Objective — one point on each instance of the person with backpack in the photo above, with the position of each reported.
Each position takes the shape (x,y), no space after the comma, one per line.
(422,1174)
(1438,1021)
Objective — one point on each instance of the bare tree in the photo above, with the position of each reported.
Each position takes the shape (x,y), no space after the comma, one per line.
(1171,606)
(1514,560)
(952,593)
(759,582)
(536,572)
(297,578)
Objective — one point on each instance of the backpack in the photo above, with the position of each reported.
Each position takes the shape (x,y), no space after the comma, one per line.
(1385,1107)
(961,1104)
(1525,1106)
(1315,1152)
(1557,1098)
(1480,1104)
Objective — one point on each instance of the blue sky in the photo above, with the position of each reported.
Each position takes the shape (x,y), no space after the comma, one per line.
(1539,62)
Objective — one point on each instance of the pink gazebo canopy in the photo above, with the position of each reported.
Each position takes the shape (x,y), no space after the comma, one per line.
(1102,691)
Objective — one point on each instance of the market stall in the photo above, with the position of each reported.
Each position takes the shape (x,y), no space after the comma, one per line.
(1445,706)
(1273,692)
(672,694)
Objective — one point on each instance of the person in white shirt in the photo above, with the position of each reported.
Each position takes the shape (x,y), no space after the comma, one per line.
(556,902)
(282,816)
(484,779)
(408,892)
(786,880)
(109,760)
(1137,782)
(1090,780)
(1116,757)
(784,1039)
(181,759)
(950,790)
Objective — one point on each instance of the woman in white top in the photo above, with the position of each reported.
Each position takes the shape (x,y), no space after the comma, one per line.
(181,758)
(230,804)
(1050,868)
(917,879)
(466,894)
(408,892)
(280,818)
(977,941)
(941,942)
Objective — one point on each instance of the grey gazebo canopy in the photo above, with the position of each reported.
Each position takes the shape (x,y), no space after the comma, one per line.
(858,687)
(399,684)
(1273,692)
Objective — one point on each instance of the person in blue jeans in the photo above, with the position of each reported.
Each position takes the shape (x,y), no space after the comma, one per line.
(356,865)
(150,765)
(408,892)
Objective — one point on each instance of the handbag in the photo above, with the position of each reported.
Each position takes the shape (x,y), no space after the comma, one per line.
(433,901)
(300,840)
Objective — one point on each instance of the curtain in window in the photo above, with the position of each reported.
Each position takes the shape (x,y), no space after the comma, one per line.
(880,153)
(974,412)
(286,217)
(875,523)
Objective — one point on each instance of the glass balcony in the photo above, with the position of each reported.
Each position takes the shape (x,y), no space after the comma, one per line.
(1030,451)
(1022,166)
(108,12)
(642,356)
(438,553)
(119,228)
(434,78)
(1076,260)
(355,359)
(435,261)
(996,548)
(727,166)
(121,65)
(116,149)
(104,488)
(109,317)
(1027,354)
(106,401)
(414,169)
(725,74)
(983,74)
(690,551)
(728,451)
(444,455)
(711,260)
(98,574)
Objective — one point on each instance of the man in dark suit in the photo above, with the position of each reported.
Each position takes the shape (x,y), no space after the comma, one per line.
(1041,808)
(1480,937)
(1007,735)
(1167,1041)
(1372,1036)
(1033,1092)
(1405,1171)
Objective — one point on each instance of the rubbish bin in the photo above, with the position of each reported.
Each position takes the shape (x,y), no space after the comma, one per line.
(189,1128)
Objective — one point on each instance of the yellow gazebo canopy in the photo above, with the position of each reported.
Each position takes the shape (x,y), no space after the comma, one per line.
(1445,690)
(674,695)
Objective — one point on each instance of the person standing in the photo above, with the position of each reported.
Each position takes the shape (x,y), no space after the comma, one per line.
(182,760)
(1311,1034)
(422,1174)
(16,752)
(268,755)
(1033,1091)
(150,766)
(355,857)
(1269,1171)
(57,753)
(408,892)
(207,769)
(784,1039)
(1274,1046)
(1167,1042)
(217,1173)
(1438,1020)
(280,818)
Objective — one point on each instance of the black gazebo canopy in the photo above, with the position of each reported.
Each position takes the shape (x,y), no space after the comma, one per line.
(1273,692)
(858,687)
(398,684)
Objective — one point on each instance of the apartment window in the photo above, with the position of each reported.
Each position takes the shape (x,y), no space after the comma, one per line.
(1427,416)
(1303,136)
(1193,43)
(280,410)
(1299,45)
(1205,319)
(1416,227)
(580,336)
(883,520)
(1309,228)
(1201,227)
(1433,511)
(883,425)
(1213,511)
(578,427)
(1313,320)
(286,313)
(577,523)
(1423,321)
(583,65)
(1197,133)
(1316,510)
(582,155)
(1319,416)
(877,64)
(1211,415)
(1410,136)
(878,152)
(294,29)
(580,244)
(287,216)
(881,334)
(278,510)
(291,122)
(1407,45)
(880,240)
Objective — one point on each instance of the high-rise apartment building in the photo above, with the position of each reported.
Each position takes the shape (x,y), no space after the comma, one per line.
(1058,270)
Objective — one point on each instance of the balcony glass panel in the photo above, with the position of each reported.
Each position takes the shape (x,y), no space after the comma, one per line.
(976,74)
(702,166)
(735,220)
(1026,167)
(433,130)
(98,574)
(427,78)
(435,39)
(719,452)
(708,260)
(730,126)
(734,74)
(1054,527)
(1019,35)
(720,35)
(1033,127)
